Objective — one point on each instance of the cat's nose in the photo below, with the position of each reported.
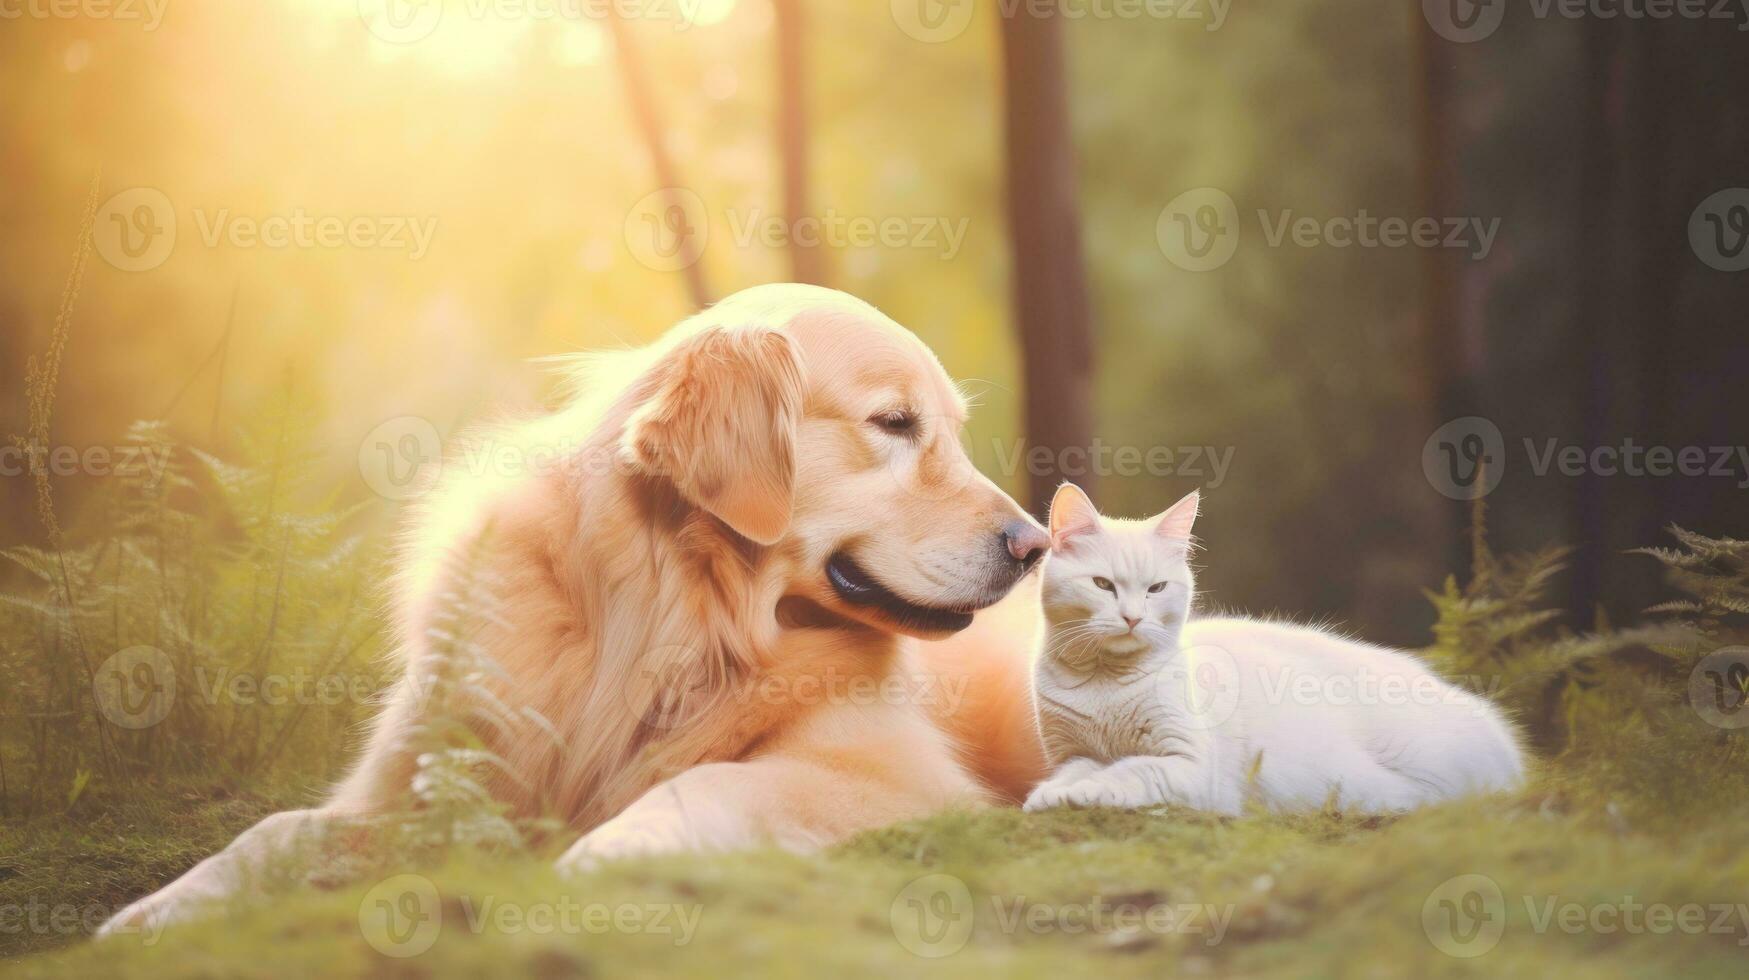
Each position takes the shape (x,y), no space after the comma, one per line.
(1132,620)
(1026,541)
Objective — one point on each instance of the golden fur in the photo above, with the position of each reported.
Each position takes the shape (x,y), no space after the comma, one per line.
(661,600)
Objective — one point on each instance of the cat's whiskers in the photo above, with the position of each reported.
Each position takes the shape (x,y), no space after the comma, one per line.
(1068,647)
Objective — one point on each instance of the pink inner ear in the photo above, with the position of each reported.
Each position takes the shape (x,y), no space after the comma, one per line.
(1180,517)
(1065,535)
(1072,514)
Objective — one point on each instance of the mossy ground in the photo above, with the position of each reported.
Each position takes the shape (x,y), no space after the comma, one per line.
(1310,895)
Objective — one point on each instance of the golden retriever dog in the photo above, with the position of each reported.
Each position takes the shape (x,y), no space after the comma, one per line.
(720,600)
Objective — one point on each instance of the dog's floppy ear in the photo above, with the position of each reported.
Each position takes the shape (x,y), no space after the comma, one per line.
(720,423)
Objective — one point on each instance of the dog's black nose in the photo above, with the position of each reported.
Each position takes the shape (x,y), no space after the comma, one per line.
(1026,541)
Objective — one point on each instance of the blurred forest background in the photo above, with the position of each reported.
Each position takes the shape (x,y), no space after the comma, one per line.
(266,256)
(525,144)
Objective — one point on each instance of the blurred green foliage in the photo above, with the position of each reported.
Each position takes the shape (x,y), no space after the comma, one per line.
(514,136)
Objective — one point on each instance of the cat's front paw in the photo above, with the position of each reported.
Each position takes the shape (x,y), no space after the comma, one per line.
(1043,797)
(1083,792)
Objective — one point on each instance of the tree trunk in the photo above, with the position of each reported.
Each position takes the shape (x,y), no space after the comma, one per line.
(649,121)
(806,260)
(1447,391)
(1050,286)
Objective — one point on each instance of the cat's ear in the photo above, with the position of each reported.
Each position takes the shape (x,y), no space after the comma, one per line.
(1179,517)
(1072,514)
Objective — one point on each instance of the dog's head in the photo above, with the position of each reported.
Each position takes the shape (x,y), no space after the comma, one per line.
(809,423)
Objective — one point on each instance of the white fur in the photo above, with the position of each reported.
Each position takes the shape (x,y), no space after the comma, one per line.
(1213,713)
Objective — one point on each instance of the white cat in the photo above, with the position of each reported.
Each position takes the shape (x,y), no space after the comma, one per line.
(1138,705)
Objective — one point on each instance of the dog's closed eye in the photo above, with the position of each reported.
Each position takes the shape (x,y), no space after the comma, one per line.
(898,422)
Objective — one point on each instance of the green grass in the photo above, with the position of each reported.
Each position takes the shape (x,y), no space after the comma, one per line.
(1312,895)
(1643,805)
(104,853)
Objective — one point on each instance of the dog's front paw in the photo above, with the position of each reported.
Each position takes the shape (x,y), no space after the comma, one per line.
(628,835)
(146,919)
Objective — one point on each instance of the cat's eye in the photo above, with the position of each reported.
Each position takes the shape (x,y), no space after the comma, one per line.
(1105,584)
(1156,588)
(897,422)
